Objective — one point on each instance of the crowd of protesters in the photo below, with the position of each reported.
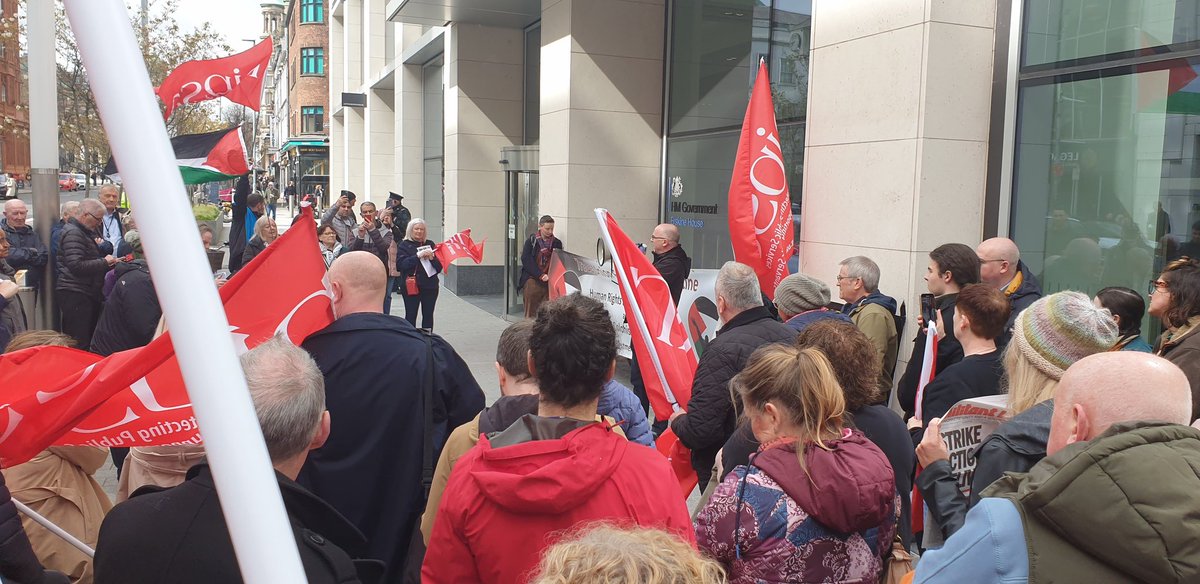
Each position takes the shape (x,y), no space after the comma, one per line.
(807,439)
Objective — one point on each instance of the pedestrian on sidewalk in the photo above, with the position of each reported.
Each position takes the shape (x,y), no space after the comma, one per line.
(415,259)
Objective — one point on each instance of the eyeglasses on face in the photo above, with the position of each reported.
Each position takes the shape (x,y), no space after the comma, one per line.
(983,261)
(839,278)
(1158,286)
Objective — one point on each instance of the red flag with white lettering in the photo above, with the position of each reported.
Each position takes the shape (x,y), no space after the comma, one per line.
(760,207)
(237,78)
(460,245)
(56,395)
(660,340)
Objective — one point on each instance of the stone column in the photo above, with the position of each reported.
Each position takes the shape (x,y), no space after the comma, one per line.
(601,116)
(898,122)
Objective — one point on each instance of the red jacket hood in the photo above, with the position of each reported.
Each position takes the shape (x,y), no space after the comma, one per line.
(848,488)
(548,476)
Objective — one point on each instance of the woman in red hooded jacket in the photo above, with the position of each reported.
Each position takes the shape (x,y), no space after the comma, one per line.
(818,502)
(519,490)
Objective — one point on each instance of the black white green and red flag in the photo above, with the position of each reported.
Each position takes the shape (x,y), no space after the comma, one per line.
(202,158)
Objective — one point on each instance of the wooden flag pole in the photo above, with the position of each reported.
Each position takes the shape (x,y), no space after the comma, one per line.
(249,493)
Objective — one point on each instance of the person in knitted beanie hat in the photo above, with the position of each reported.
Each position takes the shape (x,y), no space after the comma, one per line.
(1048,337)
(801,301)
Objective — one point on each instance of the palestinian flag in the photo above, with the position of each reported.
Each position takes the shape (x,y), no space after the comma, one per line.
(202,158)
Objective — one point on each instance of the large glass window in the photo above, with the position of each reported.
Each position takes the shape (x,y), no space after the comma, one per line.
(312,11)
(312,61)
(1067,30)
(1108,155)
(715,49)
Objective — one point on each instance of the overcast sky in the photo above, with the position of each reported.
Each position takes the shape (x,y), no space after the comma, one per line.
(235,19)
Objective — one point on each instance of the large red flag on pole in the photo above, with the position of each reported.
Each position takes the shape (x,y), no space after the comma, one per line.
(659,339)
(760,208)
(238,78)
(56,395)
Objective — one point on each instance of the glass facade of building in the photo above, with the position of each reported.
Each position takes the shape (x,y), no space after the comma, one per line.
(713,59)
(1107,159)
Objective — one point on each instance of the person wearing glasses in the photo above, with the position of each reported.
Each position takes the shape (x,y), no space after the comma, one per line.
(81,269)
(1000,267)
(872,312)
(1175,299)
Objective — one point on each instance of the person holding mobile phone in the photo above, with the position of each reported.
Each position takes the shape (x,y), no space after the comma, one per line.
(952,266)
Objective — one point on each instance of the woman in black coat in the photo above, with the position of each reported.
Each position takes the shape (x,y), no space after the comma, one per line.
(265,232)
(409,253)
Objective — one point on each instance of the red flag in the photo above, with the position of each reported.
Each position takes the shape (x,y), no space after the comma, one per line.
(459,246)
(237,78)
(56,395)
(660,340)
(760,208)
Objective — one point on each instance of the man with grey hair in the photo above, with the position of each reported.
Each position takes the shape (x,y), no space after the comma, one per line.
(872,312)
(81,268)
(112,225)
(1113,501)
(27,251)
(179,534)
(711,415)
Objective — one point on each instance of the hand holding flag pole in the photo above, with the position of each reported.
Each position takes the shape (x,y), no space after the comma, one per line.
(258,525)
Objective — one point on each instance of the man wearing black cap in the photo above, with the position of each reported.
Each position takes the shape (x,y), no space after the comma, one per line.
(340,215)
(400,214)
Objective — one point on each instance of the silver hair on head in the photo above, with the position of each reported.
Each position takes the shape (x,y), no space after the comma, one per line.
(288,392)
(738,285)
(864,268)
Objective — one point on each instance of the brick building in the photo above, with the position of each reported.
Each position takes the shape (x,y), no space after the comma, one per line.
(14,102)
(304,157)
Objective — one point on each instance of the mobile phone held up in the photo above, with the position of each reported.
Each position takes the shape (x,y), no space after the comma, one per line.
(927,310)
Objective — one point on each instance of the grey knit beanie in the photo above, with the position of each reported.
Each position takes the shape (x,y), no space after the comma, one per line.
(1060,329)
(799,293)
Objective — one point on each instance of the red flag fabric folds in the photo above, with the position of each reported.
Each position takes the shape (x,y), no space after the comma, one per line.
(760,207)
(459,246)
(238,78)
(660,341)
(56,395)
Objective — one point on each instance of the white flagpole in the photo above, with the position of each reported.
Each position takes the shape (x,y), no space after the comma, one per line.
(249,493)
(637,319)
(55,529)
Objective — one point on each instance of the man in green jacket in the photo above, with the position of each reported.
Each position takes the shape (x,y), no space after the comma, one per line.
(1114,500)
(872,312)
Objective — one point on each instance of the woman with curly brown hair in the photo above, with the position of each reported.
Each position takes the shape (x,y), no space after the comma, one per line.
(1175,299)
(602,553)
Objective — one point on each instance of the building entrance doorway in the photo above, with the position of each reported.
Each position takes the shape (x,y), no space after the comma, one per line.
(521,212)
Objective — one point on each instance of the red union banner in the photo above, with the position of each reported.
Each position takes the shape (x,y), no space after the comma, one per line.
(760,207)
(56,395)
(660,340)
(237,78)
(459,246)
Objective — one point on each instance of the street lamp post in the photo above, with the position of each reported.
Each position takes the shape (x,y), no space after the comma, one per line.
(43,142)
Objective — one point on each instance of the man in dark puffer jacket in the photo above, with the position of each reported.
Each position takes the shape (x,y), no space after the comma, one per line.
(711,414)
(81,269)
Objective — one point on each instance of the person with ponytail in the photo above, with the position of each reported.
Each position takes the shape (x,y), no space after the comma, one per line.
(817,502)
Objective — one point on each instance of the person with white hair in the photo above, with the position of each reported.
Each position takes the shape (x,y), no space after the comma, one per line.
(415,260)
(265,232)
(27,251)
(711,415)
(1113,501)
(81,269)
(179,534)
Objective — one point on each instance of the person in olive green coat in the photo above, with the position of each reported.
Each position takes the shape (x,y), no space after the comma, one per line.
(872,312)
(1113,501)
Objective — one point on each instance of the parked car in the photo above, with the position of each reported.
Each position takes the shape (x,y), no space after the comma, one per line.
(81,182)
(67,182)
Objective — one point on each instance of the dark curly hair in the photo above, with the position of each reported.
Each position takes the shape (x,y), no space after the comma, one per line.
(573,346)
(1183,282)
(855,362)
